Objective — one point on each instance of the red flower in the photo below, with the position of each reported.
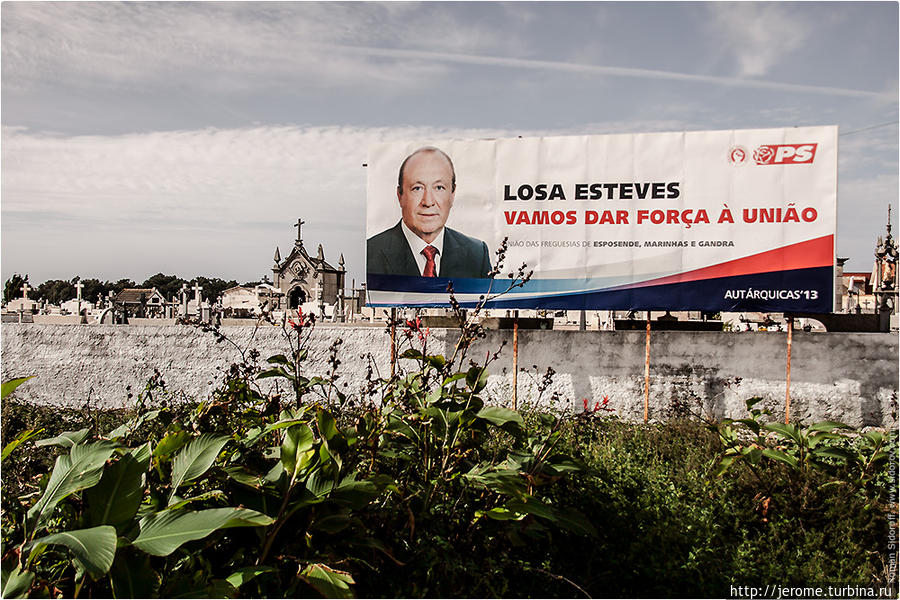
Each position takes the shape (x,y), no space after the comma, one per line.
(585,402)
(299,323)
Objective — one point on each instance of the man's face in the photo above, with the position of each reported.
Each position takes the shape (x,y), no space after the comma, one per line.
(426,194)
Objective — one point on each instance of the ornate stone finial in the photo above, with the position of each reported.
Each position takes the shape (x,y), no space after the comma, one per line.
(341,262)
(886,247)
(277,255)
(321,254)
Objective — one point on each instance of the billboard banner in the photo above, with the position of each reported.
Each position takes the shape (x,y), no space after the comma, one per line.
(740,220)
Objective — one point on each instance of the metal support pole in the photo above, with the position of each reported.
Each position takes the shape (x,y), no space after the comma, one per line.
(393,341)
(787,389)
(515,367)
(647,373)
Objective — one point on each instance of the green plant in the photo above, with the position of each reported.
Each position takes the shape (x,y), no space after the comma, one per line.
(852,458)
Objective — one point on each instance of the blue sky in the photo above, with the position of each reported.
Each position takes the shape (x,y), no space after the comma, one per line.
(187,138)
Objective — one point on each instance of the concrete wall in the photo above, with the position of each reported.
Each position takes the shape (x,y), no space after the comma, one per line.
(842,376)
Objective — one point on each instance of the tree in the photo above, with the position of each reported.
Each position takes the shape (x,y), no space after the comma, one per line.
(55,291)
(168,285)
(213,288)
(119,285)
(12,289)
(93,290)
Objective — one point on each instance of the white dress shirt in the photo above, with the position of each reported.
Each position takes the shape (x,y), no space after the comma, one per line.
(417,244)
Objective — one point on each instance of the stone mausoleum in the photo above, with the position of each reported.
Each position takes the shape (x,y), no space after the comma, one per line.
(304,278)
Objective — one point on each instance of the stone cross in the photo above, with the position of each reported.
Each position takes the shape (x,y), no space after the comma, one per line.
(197,298)
(300,222)
(25,289)
(78,288)
(111,298)
(184,299)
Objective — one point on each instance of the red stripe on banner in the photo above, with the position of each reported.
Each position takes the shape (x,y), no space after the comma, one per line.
(818,252)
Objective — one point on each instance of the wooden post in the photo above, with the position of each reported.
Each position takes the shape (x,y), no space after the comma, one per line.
(647,373)
(515,367)
(787,387)
(393,341)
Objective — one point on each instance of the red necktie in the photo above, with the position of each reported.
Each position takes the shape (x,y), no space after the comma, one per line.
(429,252)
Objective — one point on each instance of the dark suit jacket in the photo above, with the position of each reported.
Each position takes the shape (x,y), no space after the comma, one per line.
(388,253)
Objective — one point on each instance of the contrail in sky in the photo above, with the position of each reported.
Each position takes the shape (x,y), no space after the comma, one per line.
(547,65)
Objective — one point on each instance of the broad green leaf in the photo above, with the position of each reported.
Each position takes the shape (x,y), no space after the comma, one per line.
(499,416)
(327,425)
(94,549)
(275,372)
(163,532)
(7,388)
(354,494)
(724,463)
(436,360)
(453,378)
(751,402)
(828,426)
(319,484)
(782,456)
(567,518)
(503,481)
(279,359)
(501,513)
(331,524)
(66,439)
(875,438)
(245,574)
(754,455)
(400,427)
(242,475)
(327,581)
(476,378)
(412,353)
(171,443)
(298,441)
(841,454)
(564,464)
(196,458)
(786,431)
(275,473)
(115,500)
(533,506)
(326,457)
(181,502)
(20,439)
(133,577)
(16,583)
(752,424)
(73,472)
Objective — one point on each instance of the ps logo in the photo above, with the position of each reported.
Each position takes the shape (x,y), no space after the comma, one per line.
(785,154)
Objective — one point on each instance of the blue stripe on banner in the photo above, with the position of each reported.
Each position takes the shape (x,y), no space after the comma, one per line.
(800,290)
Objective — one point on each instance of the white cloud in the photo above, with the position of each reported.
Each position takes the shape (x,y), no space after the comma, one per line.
(245,47)
(211,200)
(228,45)
(759,34)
